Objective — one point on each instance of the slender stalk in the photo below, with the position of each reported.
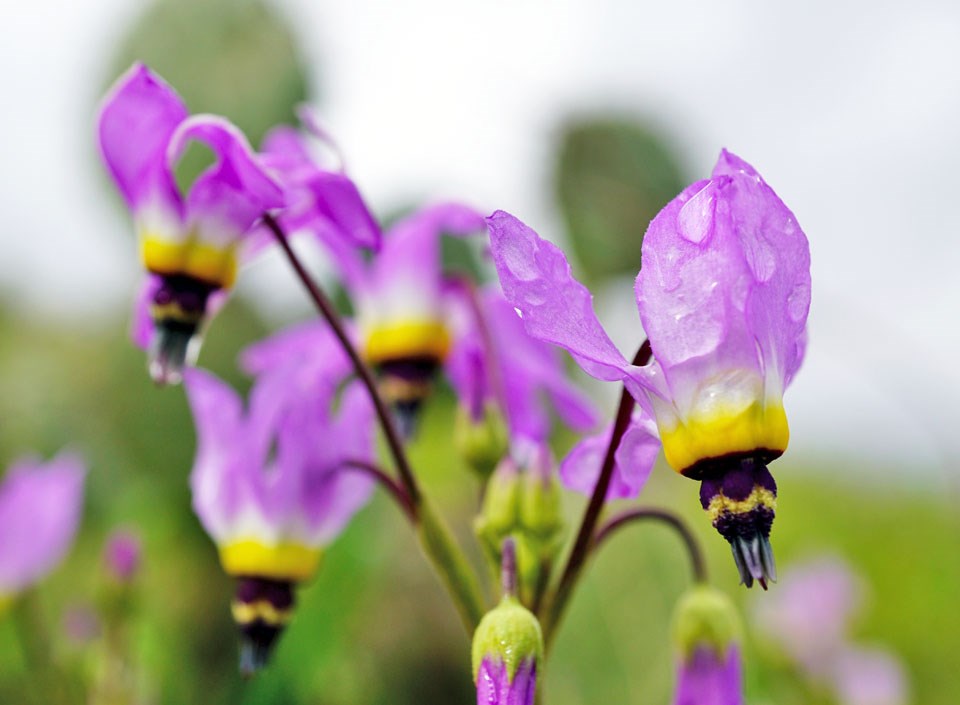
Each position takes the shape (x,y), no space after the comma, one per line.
(454,571)
(393,488)
(667,517)
(581,546)
(441,549)
(326,308)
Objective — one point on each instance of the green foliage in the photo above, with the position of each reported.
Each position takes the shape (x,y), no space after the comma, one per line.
(612,177)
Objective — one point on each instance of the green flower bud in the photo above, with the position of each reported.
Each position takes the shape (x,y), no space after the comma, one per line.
(481,443)
(508,634)
(706,617)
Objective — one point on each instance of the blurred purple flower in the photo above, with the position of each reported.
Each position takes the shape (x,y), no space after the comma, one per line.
(80,623)
(723,296)
(270,487)
(123,554)
(40,508)
(869,677)
(528,372)
(809,615)
(189,243)
(708,678)
(322,201)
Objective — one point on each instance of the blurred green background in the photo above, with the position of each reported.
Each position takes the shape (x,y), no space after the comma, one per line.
(375,627)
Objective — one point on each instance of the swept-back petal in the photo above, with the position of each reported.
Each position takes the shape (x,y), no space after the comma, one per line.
(634,459)
(137,119)
(229,196)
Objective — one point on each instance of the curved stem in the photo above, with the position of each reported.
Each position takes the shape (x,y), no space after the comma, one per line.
(393,488)
(667,517)
(591,516)
(326,308)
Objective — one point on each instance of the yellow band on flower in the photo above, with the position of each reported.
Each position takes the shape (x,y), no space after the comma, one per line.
(285,561)
(407,339)
(722,433)
(261,610)
(759,497)
(202,261)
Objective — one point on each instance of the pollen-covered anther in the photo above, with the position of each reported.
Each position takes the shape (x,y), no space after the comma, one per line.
(262,608)
(741,500)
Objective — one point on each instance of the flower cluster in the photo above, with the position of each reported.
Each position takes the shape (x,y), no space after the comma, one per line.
(723,297)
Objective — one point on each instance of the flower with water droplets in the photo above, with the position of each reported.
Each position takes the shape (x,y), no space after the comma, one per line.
(40,508)
(189,243)
(723,296)
(507,646)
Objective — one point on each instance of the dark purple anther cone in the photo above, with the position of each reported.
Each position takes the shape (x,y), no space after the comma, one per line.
(178,310)
(404,385)
(262,609)
(740,496)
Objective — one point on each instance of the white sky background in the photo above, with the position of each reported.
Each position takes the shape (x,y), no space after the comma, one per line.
(850,110)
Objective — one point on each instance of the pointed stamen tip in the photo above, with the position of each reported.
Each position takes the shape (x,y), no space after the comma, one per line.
(754,558)
(253,658)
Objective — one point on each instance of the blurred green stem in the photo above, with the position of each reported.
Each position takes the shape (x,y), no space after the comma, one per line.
(578,555)
(448,560)
(32,633)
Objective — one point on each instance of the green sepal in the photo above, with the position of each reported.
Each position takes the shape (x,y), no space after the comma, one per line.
(509,633)
(706,617)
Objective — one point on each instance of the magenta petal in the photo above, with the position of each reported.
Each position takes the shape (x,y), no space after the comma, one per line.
(706,678)
(725,283)
(634,459)
(141,327)
(137,119)
(226,461)
(337,199)
(236,190)
(40,507)
(495,687)
(537,280)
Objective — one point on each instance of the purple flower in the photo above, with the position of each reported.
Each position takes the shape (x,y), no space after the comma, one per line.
(707,677)
(495,686)
(40,507)
(869,677)
(322,201)
(189,242)
(271,512)
(707,632)
(634,459)
(524,371)
(507,649)
(811,612)
(123,554)
(723,296)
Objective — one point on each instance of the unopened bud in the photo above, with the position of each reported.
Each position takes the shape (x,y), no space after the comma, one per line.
(482,442)
(122,555)
(507,649)
(707,632)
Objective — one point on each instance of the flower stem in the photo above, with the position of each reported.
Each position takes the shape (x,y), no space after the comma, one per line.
(670,519)
(437,543)
(581,546)
(455,572)
(325,306)
(393,488)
